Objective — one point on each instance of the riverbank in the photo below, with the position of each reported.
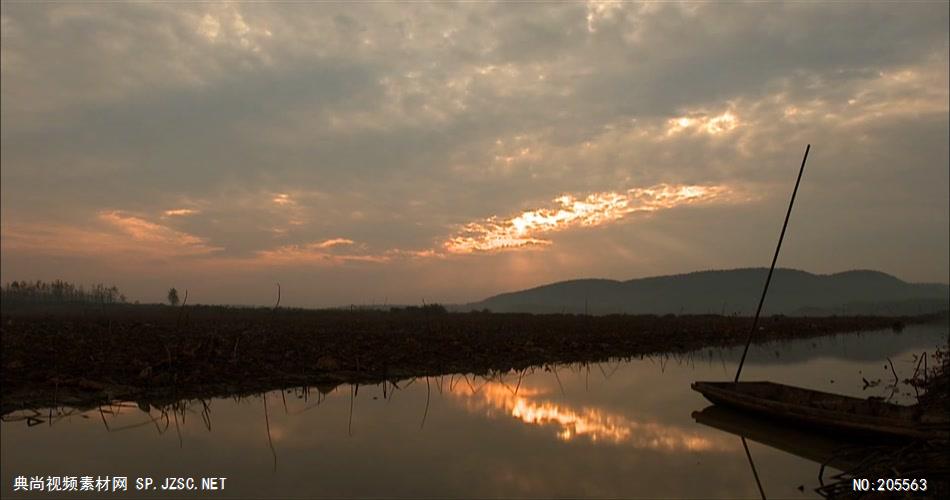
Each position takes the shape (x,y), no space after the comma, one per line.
(86,356)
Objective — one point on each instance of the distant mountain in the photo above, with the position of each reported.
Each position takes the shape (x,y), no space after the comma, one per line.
(736,291)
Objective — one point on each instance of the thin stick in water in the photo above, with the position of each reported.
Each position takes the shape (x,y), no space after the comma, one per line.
(270,442)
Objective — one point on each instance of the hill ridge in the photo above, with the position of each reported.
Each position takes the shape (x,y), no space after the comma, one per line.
(729,291)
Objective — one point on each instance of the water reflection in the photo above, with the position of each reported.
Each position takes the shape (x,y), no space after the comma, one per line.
(591,423)
(621,429)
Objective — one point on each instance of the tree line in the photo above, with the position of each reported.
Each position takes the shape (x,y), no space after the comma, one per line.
(59,292)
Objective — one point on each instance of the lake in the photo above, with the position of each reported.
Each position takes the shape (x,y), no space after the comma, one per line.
(613,429)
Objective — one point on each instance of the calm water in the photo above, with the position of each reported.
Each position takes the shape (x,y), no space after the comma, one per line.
(618,429)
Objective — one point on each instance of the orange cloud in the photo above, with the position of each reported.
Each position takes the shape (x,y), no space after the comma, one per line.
(333,242)
(418,254)
(283,199)
(179,212)
(712,125)
(316,252)
(595,210)
(118,233)
(156,234)
(122,233)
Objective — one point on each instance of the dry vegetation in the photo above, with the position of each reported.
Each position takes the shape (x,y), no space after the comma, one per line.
(70,355)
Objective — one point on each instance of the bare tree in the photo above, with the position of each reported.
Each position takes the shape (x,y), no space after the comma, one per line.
(173,297)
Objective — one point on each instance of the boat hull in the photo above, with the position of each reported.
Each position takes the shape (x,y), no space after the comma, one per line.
(828,411)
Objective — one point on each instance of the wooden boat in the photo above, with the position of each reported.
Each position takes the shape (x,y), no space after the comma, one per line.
(829,411)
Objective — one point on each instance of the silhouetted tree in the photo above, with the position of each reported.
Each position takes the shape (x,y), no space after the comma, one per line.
(173,297)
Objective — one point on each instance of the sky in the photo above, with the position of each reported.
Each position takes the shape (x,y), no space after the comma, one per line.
(401,152)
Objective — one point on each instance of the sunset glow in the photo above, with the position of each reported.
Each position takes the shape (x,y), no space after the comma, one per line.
(711,125)
(283,199)
(180,212)
(142,230)
(333,243)
(523,231)
(596,209)
(316,252)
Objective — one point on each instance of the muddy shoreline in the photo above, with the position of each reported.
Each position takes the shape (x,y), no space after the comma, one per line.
(83,357)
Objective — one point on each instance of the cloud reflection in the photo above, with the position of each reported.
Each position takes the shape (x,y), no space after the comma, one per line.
(593,424)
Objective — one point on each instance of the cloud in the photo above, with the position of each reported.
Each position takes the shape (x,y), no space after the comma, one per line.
(283,199)
(597,209)
(333,243)
(180,212)
(113,235)
(322,252)
(144,231)
(714,125)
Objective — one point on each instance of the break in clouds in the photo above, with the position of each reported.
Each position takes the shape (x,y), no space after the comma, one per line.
(401,151)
